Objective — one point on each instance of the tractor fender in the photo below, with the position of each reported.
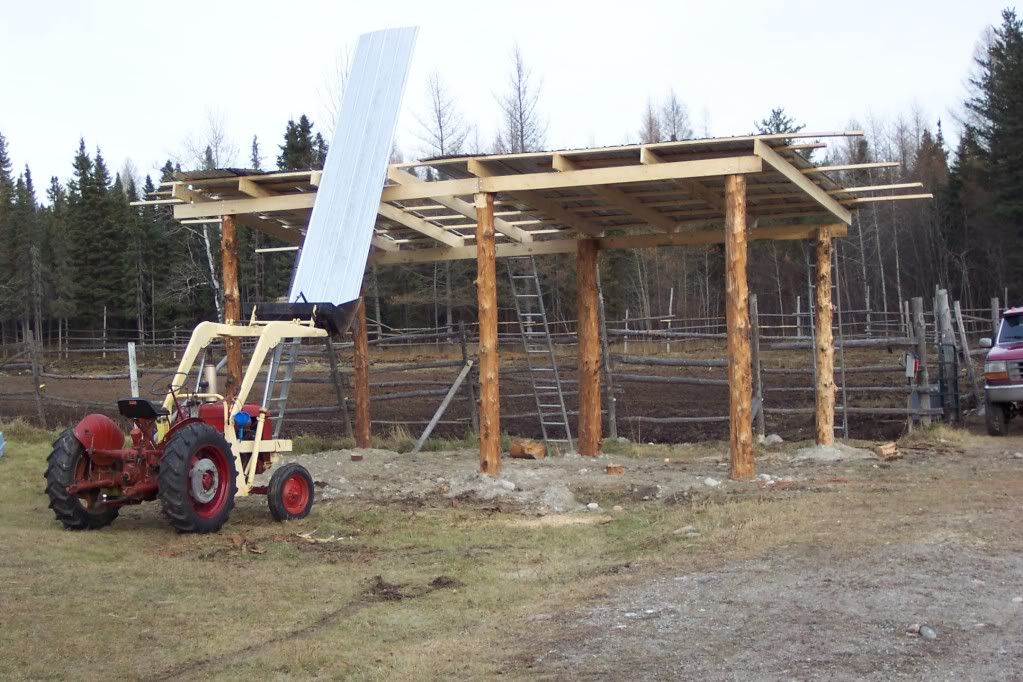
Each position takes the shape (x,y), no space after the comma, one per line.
(178,425)
(99,432)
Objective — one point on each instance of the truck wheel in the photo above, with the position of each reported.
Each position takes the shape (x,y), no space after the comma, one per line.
(290,493)
(996,418)
(67,464)
(197,479)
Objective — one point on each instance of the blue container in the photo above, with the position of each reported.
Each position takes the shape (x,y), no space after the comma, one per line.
(2,444)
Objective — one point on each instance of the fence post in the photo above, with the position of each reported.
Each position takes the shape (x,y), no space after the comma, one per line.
(605,352)
(469,386)
(758,381)
(971,371)
(33,351)
(133,369)
(996,318)
(104,332)
(947,367)
(923,380)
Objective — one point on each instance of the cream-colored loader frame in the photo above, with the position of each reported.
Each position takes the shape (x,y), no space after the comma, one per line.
(270,334)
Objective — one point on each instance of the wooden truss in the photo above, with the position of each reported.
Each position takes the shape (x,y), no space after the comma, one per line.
(637,196)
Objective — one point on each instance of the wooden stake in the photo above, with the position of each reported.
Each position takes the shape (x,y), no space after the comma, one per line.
(758,379)
(360,339)
(37,386)
(486,296)
(232,304)
(587,305)
(740,380)
(996,319)
(923,380)
(825,351)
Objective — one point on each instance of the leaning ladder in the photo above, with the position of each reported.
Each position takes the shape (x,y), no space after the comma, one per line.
(536,341)
(278,381)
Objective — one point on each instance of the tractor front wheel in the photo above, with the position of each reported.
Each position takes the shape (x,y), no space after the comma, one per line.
(67,464)
(290,493)
(197,479)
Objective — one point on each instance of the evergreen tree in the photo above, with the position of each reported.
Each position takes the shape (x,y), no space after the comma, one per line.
(254,159)
(301,150)
(997,105)
(8,256)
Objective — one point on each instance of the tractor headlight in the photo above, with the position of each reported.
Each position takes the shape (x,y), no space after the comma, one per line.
(998,369)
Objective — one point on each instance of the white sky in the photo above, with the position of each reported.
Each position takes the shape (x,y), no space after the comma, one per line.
(136,78)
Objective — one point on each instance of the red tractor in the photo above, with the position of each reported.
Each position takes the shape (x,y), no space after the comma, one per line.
(195,453)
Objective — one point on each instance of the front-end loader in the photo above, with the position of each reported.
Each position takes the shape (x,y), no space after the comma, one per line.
(197,450)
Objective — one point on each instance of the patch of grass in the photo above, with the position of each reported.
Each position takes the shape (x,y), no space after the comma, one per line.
(936,433)
(20,430)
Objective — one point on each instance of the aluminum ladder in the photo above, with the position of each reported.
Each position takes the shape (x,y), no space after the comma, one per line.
(539,349)
(278,381)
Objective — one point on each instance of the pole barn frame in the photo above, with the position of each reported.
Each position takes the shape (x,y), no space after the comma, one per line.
(692,192)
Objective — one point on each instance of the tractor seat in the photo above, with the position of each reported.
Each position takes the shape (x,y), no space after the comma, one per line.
(140,408)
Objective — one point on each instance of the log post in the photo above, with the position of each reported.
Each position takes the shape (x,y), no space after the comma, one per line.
(740,380)
(587,305)
(360,362)
(37,385)
(489,360)
(232,304)
(825,350)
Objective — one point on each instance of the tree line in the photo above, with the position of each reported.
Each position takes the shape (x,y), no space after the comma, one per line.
(84,251)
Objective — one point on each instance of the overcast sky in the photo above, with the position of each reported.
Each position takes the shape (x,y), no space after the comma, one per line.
(136,78)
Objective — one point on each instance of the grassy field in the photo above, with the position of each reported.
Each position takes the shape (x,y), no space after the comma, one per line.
(367,592)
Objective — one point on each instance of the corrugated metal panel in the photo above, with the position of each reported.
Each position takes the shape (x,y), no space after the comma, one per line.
(341,226)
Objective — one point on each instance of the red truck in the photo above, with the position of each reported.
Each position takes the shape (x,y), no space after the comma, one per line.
(1003,373)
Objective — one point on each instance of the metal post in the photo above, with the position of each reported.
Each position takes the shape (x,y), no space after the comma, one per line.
(133,370)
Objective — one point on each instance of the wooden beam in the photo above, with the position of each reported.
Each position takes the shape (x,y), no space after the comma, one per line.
(463,208)
(824,417)
(247,186)
(740,374)
(637,241)
(384,244)
(850,166)
(776,161)
(588,327)
(360,365)
(537,201)
(486,296)
(269,226)
(282,202)
(878,188)
(618,198)
(414,222)
(613,175)
(232,305)
(693,188)
(897,197)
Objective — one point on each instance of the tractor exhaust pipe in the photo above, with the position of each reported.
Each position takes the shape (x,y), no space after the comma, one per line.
(211,379)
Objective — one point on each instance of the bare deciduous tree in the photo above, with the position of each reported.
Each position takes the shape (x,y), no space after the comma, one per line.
(211,148)
(522,128)
(650,130)
(675,119)
(333,90)
(443,130)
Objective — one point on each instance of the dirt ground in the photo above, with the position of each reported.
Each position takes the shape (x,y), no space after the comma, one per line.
(415,567)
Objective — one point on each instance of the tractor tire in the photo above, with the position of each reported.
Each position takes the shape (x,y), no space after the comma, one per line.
(290,493)
(66,464)
(197,479)
(996,418)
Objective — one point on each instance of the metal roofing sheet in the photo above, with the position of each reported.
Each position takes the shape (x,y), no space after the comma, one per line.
(337,242)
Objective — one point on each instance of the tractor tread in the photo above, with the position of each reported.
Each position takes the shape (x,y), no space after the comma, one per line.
(60,466)
(173,479)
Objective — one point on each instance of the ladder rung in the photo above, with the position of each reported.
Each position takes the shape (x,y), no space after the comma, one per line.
(561,424)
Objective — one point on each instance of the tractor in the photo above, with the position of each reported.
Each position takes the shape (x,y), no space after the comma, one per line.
(197,450)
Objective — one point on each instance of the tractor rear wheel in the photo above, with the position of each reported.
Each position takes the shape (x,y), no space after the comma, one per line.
(197,479)
(290,493)
(68,463)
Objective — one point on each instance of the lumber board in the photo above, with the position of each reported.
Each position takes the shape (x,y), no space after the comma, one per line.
(588,349)
(776,161)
